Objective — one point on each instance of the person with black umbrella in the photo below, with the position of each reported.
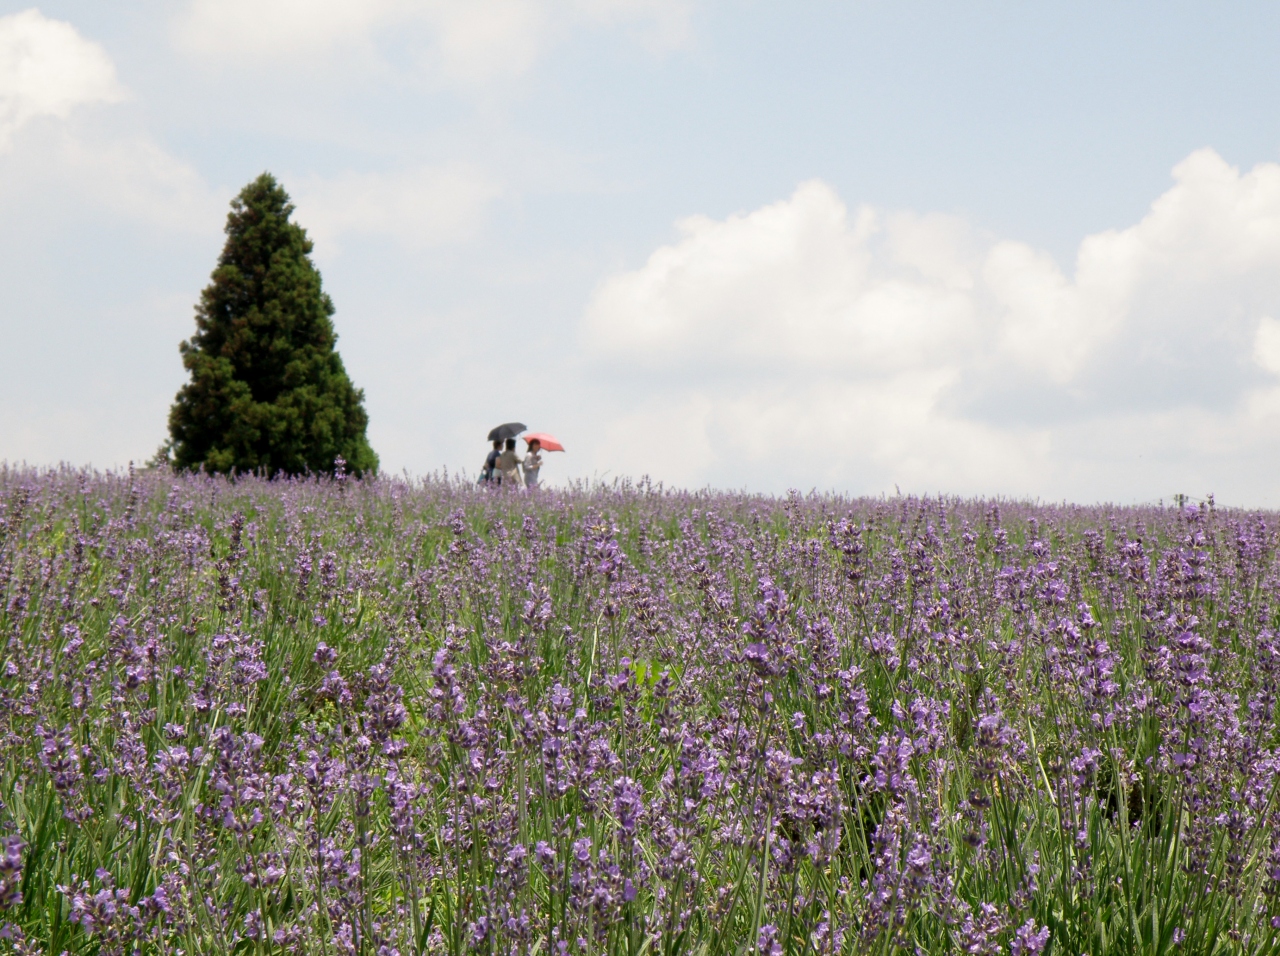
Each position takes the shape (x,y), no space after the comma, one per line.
(493,471)
(508,465)
(490,462)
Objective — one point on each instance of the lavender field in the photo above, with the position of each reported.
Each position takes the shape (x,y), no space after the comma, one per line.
(333,716)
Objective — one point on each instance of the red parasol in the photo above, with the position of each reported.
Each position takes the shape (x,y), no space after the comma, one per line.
(548,442)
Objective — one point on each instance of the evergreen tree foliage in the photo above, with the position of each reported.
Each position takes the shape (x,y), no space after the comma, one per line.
(267,389)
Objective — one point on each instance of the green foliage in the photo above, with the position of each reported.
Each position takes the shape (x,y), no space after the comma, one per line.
(268,390)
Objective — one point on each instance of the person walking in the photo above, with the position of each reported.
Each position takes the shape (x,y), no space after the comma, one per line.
(508,465)
(532,462)
(490,462)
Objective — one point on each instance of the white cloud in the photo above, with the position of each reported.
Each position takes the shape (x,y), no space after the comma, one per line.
(1050,325)
(428,206)
(1266,345)
(48,69)
(668,437)
(483,39)
(822,432)
(136,178)
(255,28)
(796,283)
(865,349)
(466,41)
(129,176)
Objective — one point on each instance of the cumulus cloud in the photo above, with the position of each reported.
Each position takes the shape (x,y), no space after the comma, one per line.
(129,176)
(866,349)
(136,178)
(825,432)
(423,207)
(794,284)
(476,42)
(1266,345)
(465,41)
(48,69)
(250,28)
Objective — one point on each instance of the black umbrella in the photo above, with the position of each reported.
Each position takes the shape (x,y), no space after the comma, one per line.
(503,432)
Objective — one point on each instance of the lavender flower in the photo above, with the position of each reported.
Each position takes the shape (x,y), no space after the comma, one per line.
(11,872)
(626,717)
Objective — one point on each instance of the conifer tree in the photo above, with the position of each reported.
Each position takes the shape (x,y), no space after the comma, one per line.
(267,389)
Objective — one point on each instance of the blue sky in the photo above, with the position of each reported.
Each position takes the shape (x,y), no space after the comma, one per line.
(1027,249)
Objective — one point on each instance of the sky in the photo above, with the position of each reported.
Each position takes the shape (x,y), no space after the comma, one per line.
(1028,250)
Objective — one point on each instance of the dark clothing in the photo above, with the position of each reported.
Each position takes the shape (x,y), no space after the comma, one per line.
(490,462)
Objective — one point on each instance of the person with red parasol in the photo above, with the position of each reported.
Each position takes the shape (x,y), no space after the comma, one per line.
(537,443)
